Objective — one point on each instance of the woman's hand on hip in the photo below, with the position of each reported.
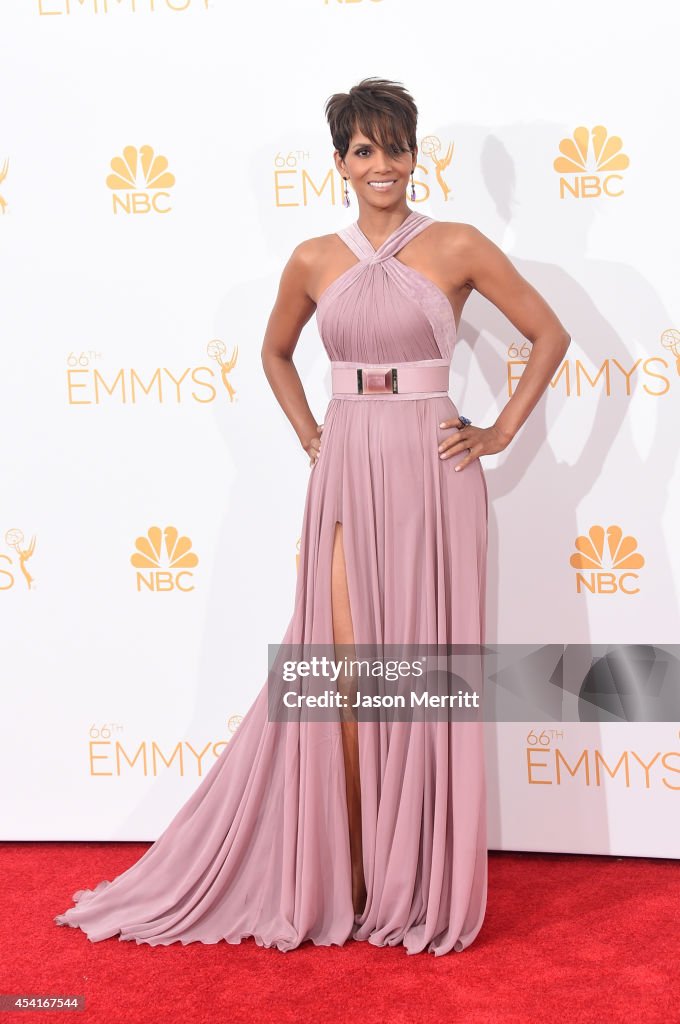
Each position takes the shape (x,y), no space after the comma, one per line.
(313,447)
(477,440)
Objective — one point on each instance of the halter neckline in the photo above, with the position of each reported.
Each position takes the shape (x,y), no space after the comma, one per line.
(411,214)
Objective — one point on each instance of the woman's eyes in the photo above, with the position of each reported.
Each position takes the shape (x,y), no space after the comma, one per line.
(395,150)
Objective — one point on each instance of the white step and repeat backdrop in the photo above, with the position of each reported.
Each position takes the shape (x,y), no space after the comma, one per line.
(159,160)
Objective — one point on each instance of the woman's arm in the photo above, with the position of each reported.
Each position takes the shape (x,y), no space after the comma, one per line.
(292,309)
(493,275)
(490,272)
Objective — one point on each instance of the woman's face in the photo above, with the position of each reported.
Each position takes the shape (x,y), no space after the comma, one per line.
(366,162)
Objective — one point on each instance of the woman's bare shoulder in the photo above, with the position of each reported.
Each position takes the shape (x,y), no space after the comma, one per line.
(310,250)
(456,232)
(307,261)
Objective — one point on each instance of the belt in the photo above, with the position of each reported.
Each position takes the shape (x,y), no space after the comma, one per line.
(425,378)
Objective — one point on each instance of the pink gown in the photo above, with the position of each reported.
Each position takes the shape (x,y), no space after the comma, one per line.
(261,848)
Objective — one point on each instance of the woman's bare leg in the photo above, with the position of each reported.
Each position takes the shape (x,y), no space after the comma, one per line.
(343,638)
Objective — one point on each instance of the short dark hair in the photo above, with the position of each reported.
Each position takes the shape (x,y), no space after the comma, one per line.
(384,111)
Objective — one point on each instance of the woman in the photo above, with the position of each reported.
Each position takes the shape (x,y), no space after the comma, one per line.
(373,830)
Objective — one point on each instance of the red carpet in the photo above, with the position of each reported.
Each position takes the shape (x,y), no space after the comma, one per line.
(569,939)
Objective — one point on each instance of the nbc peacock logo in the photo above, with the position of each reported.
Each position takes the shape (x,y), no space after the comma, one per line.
(606,561)
(591,164)
(140,181)
(164,560)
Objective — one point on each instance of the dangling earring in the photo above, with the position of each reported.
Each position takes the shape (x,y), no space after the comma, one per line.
(413,189)
(345,198)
